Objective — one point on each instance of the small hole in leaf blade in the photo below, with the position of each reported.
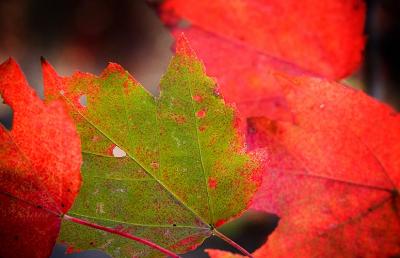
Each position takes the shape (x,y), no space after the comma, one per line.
(118,153)
(83,100)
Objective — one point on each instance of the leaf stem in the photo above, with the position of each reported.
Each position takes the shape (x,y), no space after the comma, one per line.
(231,243)
(120,233)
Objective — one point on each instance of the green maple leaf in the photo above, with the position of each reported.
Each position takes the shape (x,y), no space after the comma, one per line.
(168,168)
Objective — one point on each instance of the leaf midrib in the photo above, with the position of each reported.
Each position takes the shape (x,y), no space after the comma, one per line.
(210,209)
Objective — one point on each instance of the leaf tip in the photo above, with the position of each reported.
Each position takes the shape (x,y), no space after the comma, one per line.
(51,80)
(183,47)
(10,63)
(47,68)
(42,60)
(113,68)
(12,80)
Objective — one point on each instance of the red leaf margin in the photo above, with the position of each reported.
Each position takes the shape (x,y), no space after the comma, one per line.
(39,168)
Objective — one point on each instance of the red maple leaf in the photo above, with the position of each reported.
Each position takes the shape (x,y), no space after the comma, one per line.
(242,42)
(333,173)
(40,162)
(324,37)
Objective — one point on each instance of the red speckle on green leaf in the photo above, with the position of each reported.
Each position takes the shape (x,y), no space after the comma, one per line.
(201,113)
(198,98)
(179,119)
(202,128)
(155,165)
(212,183)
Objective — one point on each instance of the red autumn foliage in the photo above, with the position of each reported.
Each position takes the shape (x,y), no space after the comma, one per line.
(333,169)
(40,162)
(242,42)
(333,173)
(323,37)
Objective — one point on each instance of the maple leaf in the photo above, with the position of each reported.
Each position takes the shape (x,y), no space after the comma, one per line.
(324,37)
(333,173)
(169,169)
(40,161)
(240,42)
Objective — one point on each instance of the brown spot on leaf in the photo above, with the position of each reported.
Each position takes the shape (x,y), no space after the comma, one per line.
(202,128)
(180,119)
(155,165)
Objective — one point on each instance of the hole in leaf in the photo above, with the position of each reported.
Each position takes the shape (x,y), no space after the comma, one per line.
(6,114)
(83,100)
(117,152)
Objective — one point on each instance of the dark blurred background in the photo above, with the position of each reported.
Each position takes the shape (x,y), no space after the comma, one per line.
(84,35)
(381,68)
